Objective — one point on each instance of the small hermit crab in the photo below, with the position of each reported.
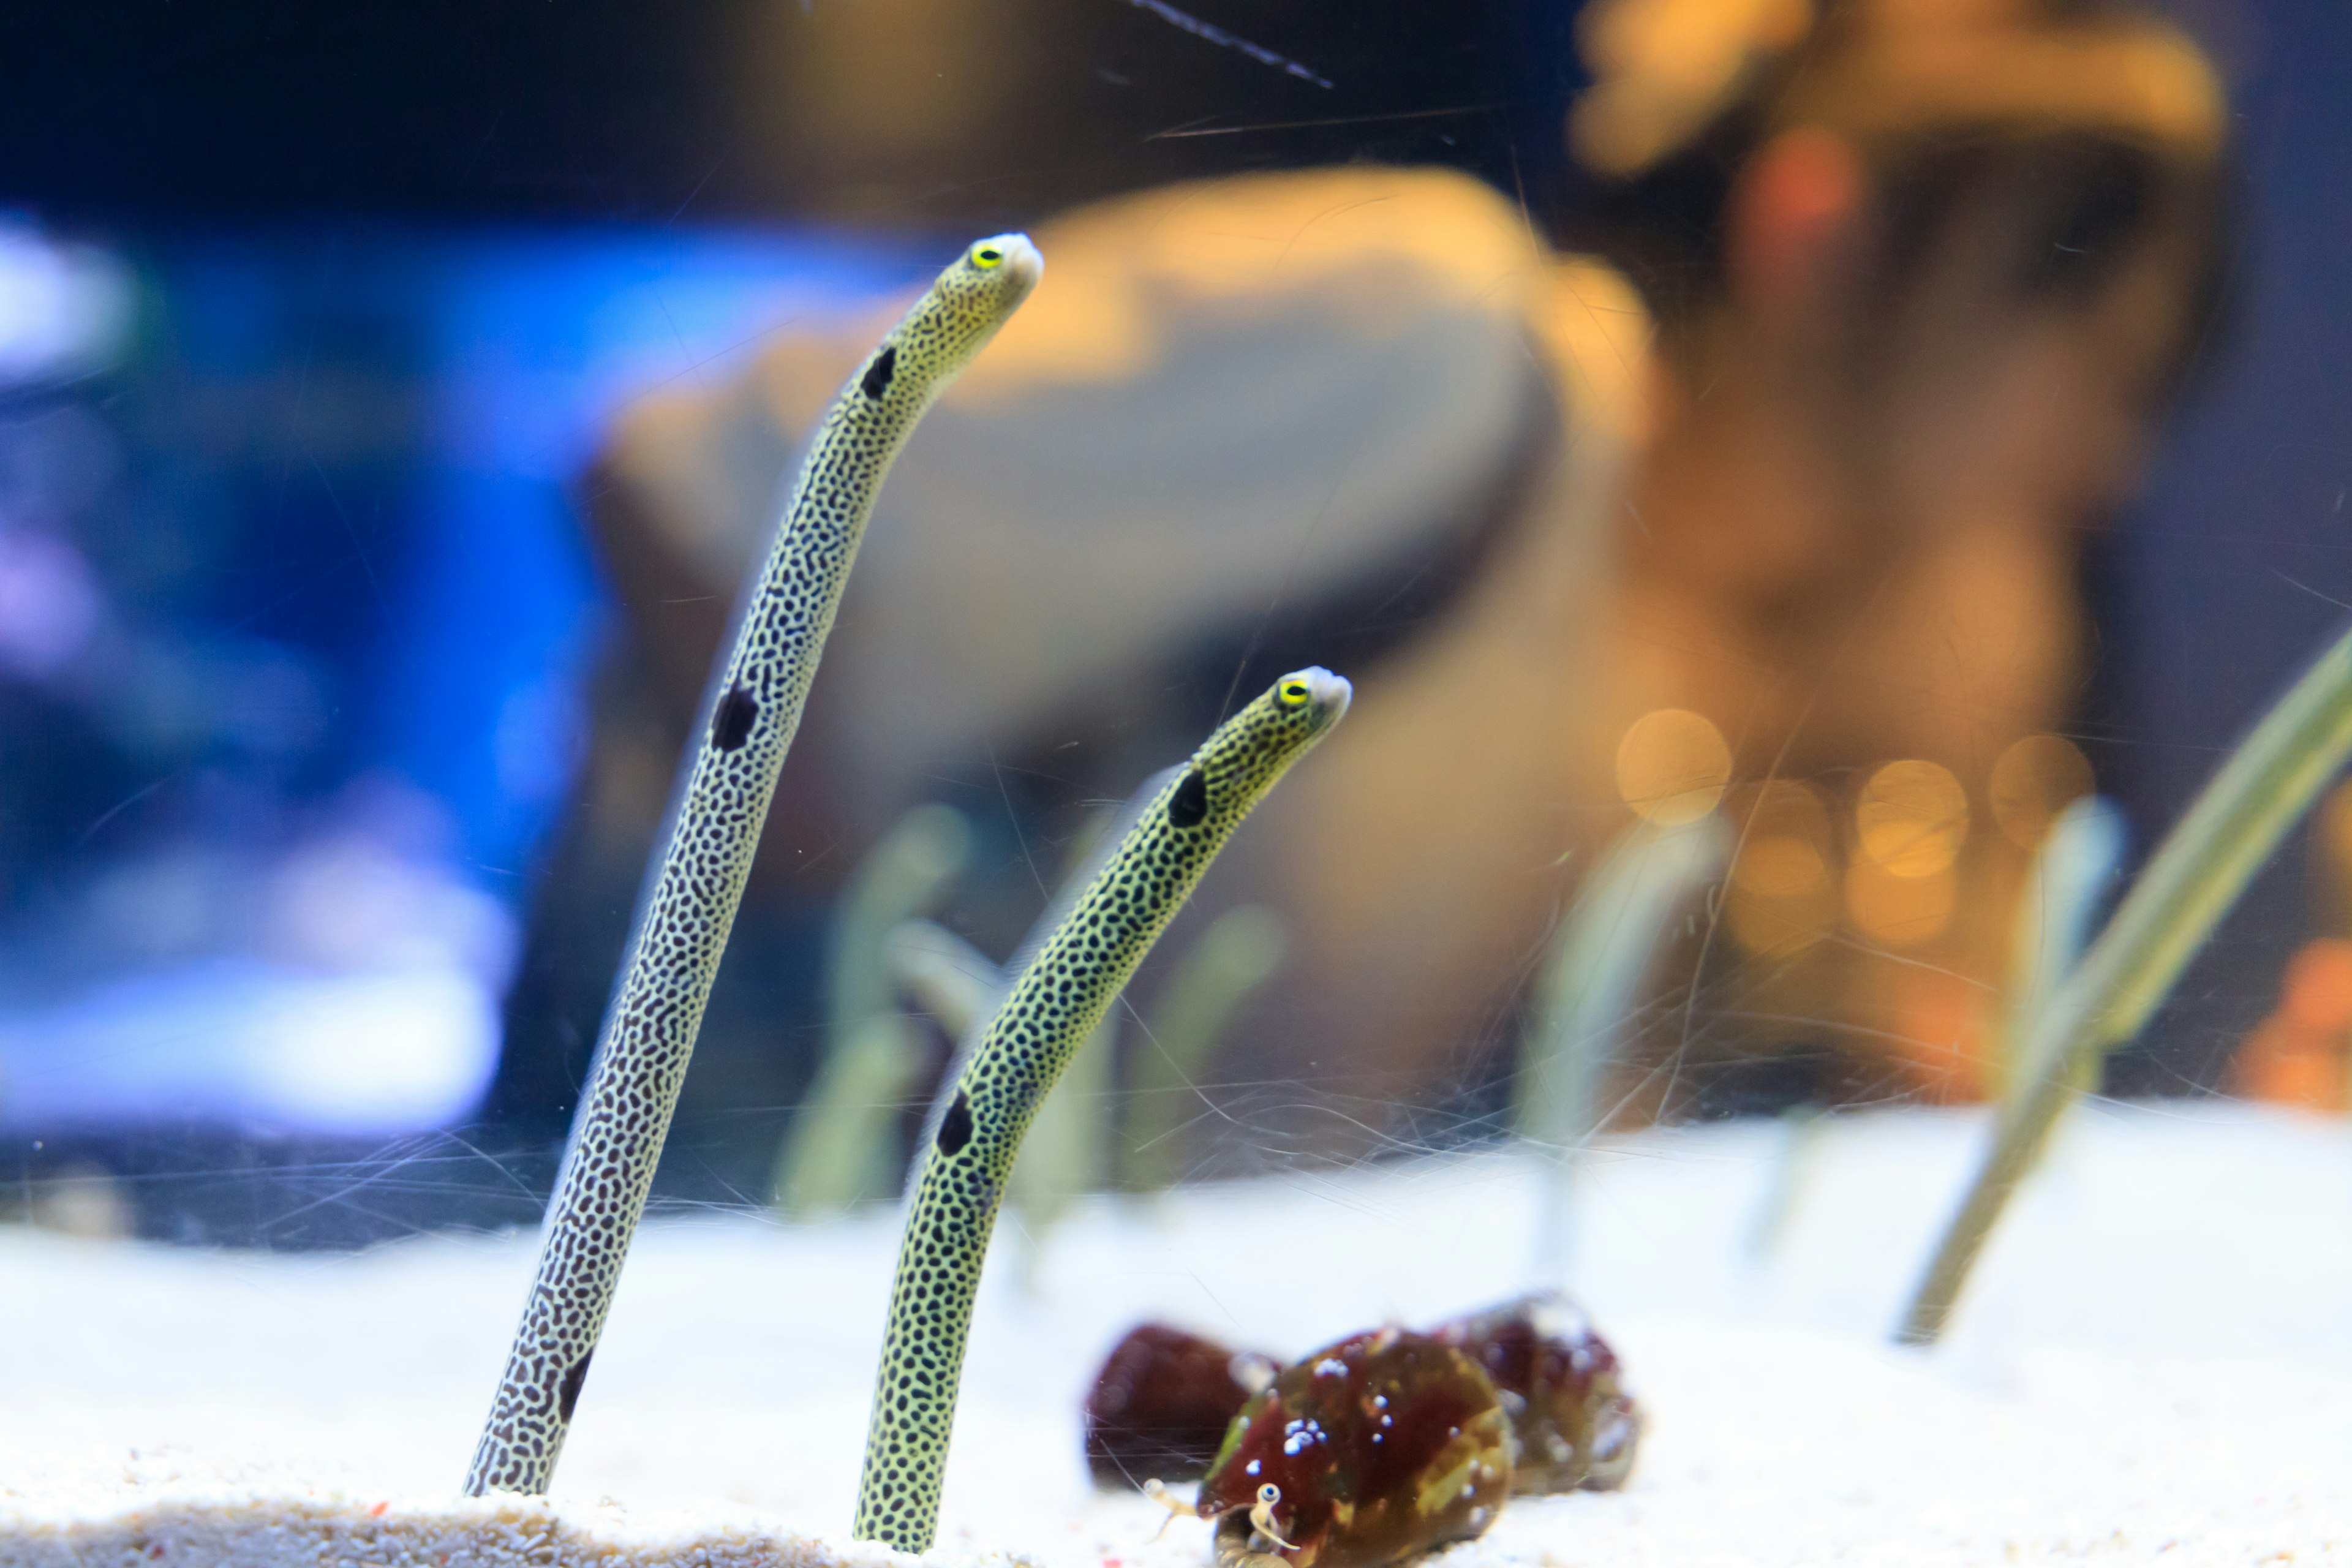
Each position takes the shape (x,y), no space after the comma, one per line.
(1370,1450)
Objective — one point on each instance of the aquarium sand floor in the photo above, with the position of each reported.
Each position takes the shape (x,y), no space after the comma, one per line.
(2155,1366)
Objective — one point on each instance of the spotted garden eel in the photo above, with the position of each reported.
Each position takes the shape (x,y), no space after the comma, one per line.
(1052,1008)
(752,709)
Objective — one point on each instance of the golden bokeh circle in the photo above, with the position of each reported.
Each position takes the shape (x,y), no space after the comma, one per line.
(1783,895)
(1672,765)
(2333,830)
(2032,782)
(1786,848)
(1897,908)
(1912,819)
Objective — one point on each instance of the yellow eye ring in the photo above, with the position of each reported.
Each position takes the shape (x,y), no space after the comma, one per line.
(986,256)
(1294,693)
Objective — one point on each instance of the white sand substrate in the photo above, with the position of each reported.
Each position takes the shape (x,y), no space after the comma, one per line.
(2155,1365)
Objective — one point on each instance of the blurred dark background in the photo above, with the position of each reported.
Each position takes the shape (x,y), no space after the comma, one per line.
(320,313)
(903,112)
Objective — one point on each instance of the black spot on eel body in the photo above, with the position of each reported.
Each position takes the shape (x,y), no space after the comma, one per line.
(731,726)
(568,1395)
(1189,804)
(879,374)
(955,1127)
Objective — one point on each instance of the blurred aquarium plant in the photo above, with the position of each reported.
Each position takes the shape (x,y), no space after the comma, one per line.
(1242,949)
(2073,872)
(1795,1156)
(1589,992)
(1064,1150)
(945,975)
(2262,790)
(845,1147)
(1064,1154)
(954,982)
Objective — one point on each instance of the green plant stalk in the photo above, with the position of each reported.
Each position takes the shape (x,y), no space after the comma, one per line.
(2262,789)
(1587,990)
(1795,1159)
(1063,1157)
(948,977)
(844,1147)
(843,1144)
(2076,863)
(1241,950)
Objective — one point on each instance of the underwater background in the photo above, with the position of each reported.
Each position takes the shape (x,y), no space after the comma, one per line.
(336,711)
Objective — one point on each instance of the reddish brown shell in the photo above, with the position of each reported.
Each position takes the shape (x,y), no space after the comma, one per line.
(1160,1404)
(1383,1446)
(1560,1383)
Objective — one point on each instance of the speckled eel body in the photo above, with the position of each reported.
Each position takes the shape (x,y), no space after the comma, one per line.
(987,1107)
(752,709)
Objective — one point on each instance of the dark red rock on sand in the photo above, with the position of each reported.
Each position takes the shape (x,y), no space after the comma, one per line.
(1560,1385)
(1161,1403)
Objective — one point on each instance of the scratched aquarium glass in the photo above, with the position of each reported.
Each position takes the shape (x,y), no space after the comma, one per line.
(1796,500)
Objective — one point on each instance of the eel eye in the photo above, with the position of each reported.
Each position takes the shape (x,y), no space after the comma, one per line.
(1294,693)
(986,256)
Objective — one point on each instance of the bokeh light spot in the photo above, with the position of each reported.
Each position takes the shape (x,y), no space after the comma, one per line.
(2334,832)
(2032,782)
(1912,819)
(2318,992)
(1787,845)
(1897,907)
(1672,765)
(1783,892)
